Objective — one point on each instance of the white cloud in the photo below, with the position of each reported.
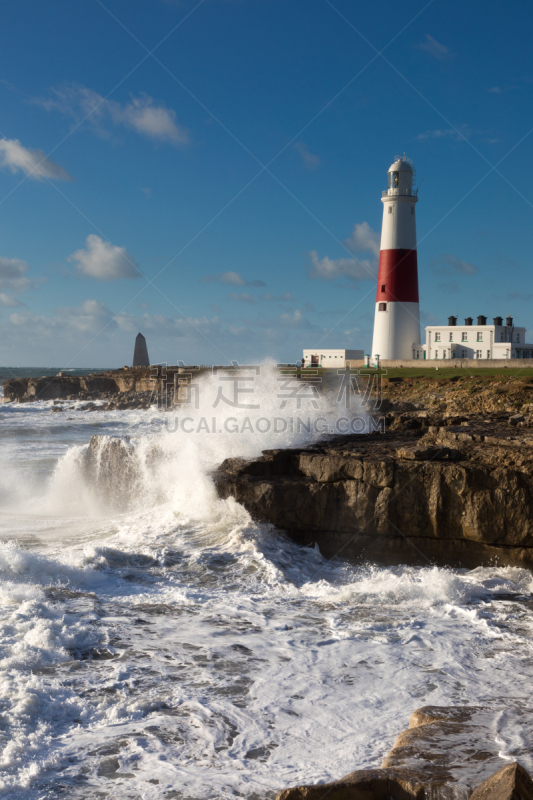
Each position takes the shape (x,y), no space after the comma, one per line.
(89,318)
(13,274)
(494,90)
(154,121)
(447,264)
(363,239)
(242,297)
(328,269)
(286,297)
(142,114)
(232,278)
(294,320)
(105,261)
(33,163)
(434,48)
(8,301)
(459,134)
(310,161)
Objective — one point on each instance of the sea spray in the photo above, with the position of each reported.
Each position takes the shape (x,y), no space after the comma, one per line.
(234,413)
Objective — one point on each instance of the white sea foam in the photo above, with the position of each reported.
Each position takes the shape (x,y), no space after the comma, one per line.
(175,640)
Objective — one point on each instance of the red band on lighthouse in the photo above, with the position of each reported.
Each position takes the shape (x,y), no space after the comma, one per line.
(397,276)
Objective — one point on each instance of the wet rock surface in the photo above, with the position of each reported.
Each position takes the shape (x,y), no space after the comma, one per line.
(509,783)
(445,754)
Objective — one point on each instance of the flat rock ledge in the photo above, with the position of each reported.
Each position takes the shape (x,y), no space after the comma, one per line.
(454,495)
(445,754)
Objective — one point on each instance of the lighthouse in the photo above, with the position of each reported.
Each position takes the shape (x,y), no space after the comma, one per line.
(397,316)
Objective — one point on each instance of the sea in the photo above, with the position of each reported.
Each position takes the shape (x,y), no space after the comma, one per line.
(164,645)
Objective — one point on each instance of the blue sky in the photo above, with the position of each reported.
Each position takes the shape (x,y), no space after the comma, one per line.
(210,173)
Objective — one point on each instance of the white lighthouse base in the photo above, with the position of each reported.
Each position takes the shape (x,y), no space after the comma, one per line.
(396,331)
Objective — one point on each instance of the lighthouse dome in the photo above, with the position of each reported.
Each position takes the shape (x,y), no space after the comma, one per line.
(401,165)
(401,176)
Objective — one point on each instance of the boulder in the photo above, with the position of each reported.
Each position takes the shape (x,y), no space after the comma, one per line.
(511,782)
(378,784)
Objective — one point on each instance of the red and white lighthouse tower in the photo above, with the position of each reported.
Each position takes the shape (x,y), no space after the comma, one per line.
(397,316)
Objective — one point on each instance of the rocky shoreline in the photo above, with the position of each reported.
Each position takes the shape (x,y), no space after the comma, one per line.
(458,495)
(448,481)
(445,754)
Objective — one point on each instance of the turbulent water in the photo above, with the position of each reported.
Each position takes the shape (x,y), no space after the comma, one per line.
(167,646)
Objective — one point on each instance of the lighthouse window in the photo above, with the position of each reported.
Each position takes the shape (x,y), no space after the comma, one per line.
(394,180)
(390,209)
(382,307)
(412,209)
(383,287)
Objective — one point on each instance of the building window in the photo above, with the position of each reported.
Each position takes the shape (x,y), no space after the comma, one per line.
(479,336)
(517,337)
(444,353)
(478,353)
(390,209)
(451,337)
(383,288)
(488,353)
(382,307)
(464,337)
(501,336)
(464,354)
(437,337)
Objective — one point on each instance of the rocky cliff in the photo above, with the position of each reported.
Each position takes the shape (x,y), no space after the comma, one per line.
(453,494)
(74,387)
(129,387)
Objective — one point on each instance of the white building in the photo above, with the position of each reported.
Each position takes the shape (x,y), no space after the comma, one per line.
(330,359)
(476,341)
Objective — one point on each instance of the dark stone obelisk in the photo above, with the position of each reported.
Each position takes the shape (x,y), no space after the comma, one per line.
(140,354)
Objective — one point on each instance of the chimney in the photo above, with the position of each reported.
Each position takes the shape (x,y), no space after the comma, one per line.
(482,320)
(468,321)
(509,322)
(498,321)
(452,321)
